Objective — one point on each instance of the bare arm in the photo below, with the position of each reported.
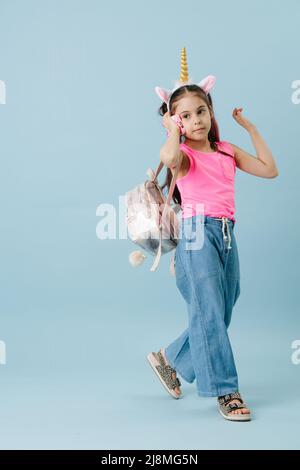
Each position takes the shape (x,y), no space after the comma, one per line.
(264,165)
(170,153)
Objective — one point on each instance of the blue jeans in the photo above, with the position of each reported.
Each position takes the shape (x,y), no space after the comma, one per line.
(208,278)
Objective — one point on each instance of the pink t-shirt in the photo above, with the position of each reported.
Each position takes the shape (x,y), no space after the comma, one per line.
(210,181)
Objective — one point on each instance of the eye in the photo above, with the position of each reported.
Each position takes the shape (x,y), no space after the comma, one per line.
(199,111)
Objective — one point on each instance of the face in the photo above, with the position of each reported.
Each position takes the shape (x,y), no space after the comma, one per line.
(195,115)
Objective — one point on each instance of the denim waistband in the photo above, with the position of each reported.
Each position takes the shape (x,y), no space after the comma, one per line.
(206,219)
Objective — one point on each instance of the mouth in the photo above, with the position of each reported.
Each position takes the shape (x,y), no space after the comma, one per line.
(200,129)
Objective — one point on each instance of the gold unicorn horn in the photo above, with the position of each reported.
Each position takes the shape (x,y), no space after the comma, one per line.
(184,74)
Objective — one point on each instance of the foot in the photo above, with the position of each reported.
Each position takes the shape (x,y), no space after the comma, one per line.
(176,389)
(240,410)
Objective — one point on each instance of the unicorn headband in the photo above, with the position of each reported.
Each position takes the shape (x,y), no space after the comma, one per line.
(206,83)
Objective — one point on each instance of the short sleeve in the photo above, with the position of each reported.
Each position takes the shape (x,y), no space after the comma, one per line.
(226,147)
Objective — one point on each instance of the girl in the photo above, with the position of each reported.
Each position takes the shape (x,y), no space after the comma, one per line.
(207,276)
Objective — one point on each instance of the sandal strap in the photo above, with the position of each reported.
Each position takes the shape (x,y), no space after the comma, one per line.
(161,359)
(225,399)
(234,406)
(166,372)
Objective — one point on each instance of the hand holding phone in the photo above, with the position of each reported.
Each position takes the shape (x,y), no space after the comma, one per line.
(169,121)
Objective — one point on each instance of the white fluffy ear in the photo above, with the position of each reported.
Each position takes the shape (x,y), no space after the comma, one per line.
(207,83)
(162,93)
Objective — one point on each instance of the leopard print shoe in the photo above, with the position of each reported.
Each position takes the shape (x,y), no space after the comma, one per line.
(225,407)
(164,372)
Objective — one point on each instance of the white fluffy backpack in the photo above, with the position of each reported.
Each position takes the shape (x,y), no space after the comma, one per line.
(152,222)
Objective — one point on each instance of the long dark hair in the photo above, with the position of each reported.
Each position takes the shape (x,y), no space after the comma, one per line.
(213,135)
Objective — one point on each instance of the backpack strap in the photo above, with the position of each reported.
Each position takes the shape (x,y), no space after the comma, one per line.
(167,202)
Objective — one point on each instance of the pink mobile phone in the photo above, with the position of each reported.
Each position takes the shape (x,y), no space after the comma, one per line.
(178,121)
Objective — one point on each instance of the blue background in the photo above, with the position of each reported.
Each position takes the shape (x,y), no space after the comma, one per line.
(79,129)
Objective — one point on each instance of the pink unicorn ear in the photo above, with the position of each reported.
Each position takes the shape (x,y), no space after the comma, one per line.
(207,83)
(162,93)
